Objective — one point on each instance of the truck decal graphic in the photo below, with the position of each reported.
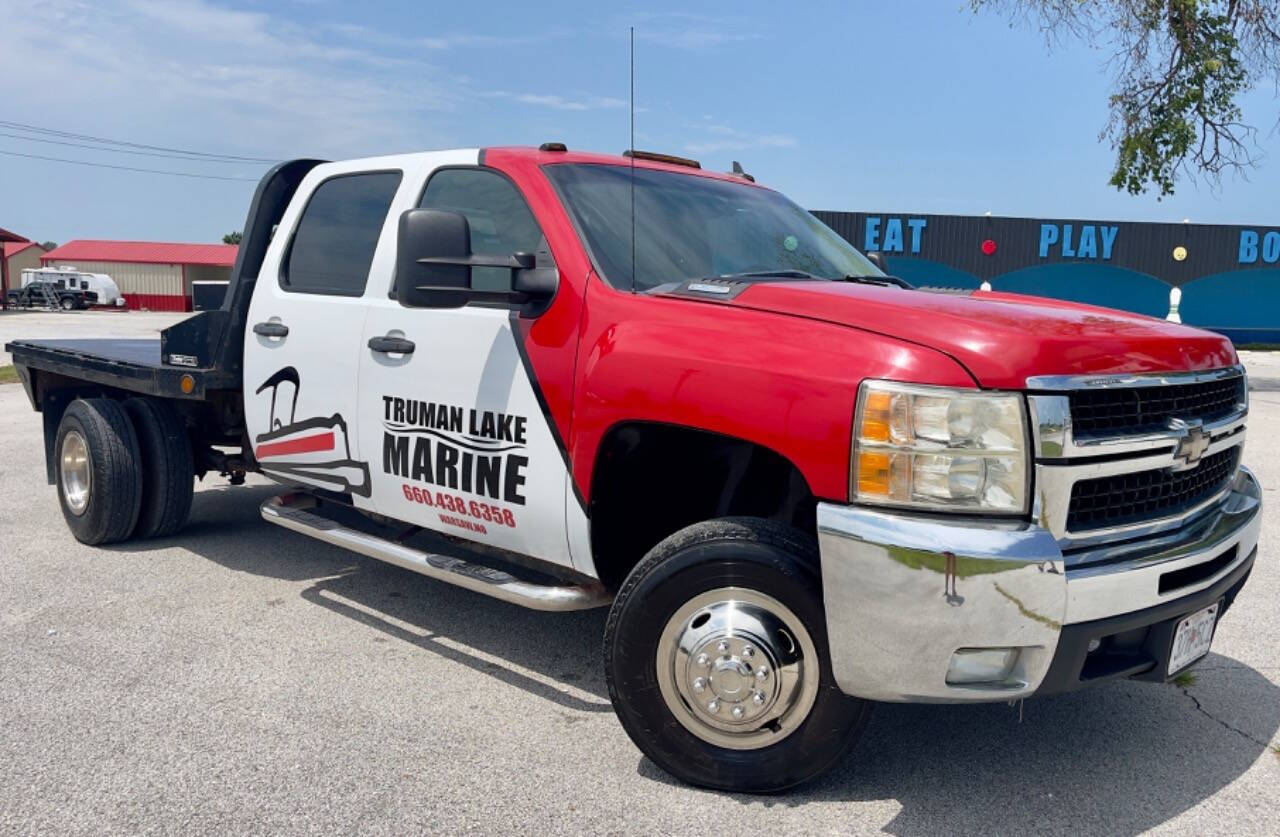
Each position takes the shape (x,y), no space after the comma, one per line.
(460,440)
(480,452)
(301,444)
(287,375)
(315,450)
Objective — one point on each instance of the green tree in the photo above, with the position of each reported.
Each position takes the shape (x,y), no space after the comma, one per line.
(232,238)
(1181,67)
(49,245)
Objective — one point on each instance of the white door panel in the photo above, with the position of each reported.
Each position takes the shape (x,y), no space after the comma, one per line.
(301,389)
(456,438)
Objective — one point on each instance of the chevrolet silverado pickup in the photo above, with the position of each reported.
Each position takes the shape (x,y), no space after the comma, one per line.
(48,294)
(570,380)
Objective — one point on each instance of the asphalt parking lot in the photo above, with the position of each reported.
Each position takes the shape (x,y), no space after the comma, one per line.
(29,325)
(242,678)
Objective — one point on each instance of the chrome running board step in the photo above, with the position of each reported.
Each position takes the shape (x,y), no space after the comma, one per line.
(294,511)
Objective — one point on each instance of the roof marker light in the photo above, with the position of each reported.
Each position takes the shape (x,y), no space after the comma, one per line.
(661,158)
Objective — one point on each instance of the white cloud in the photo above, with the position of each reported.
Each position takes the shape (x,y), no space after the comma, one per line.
(195,74)
(694,39)
(465,41)
(446,41)
(689,30)
(557,102)
(725,138)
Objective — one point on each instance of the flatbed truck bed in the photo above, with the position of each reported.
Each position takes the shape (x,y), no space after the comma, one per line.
(128,364)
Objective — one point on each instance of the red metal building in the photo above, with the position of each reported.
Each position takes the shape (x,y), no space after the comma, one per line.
(153,275)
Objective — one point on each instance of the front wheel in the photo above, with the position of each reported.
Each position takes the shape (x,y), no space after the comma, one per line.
(716,659)
(68,303)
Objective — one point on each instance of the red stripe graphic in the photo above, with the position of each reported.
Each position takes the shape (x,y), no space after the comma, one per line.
(304,444)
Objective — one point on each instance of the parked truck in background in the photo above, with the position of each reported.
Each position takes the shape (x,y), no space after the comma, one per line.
(49,293)
(570,380)
(102,287)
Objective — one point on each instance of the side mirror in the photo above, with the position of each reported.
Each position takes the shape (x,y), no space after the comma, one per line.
(434,261)
(433,253)
(877,258)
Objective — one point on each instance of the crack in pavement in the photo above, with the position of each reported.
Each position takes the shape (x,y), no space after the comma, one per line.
(1200,708)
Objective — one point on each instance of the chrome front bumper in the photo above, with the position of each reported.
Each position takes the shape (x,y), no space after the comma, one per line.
(903,592)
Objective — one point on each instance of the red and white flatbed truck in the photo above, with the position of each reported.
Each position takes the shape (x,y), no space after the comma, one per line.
(800,485)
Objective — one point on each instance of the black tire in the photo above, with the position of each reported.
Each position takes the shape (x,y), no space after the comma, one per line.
(168,472)
(114,489)
(68,303)
(756,554)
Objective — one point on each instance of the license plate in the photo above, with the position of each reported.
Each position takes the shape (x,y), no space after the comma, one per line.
(1192,637)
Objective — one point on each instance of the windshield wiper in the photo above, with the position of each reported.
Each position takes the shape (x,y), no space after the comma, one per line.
(757,274)
(868,279)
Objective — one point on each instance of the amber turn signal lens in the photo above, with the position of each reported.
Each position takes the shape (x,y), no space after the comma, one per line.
(873,473)
(940,448)
(187,384)
(875,417)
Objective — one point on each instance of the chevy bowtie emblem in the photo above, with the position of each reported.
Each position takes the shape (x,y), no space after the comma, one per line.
(1191,447)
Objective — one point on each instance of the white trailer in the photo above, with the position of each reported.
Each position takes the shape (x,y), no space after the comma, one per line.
(69,277)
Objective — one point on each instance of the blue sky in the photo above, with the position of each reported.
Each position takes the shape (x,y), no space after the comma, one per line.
(900,107)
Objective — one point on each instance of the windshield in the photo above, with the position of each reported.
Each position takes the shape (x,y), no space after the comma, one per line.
(689,227)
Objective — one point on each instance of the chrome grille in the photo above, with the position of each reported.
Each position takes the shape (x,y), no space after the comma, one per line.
(1127,410)
(1145,495)
(1128,456)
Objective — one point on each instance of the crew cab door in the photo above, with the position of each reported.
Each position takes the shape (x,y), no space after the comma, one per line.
(302,339)
(450,417)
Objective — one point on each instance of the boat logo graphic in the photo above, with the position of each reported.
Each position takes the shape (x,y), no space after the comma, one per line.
(315,451)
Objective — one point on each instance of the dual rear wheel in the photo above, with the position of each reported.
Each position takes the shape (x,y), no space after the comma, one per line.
(123,469)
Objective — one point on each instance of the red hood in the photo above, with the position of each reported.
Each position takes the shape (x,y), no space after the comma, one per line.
(1001,338)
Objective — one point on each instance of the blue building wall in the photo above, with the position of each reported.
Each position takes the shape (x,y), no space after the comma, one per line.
(1229,275)
(1242,304)
(931,274)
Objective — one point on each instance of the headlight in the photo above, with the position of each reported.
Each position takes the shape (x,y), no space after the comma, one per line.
(941,449)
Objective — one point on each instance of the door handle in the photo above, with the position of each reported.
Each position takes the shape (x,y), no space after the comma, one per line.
(391,345)
(271,329)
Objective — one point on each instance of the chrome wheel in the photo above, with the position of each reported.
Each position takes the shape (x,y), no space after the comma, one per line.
(75,472)
(737,668)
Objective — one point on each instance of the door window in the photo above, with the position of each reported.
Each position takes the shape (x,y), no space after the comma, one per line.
(500,220)
(333,247)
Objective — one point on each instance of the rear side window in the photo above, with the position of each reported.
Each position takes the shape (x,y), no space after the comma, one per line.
(333,247)
(500,220)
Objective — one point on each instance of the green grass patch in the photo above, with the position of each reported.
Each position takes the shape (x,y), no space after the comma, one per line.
(9,375)
(1258,347)
(1185,680)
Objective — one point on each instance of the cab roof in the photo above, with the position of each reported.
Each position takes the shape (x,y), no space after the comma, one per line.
(548,157)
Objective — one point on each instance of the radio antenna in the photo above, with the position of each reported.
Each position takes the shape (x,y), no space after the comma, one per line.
(632,157)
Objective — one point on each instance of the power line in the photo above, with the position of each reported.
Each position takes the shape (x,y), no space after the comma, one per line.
(117,150)
(36,129)
(127,168)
